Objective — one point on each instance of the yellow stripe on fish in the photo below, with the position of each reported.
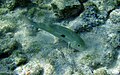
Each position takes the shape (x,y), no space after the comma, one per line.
(63,33)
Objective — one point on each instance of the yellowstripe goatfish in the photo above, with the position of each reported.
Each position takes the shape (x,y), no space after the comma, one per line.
(63,33)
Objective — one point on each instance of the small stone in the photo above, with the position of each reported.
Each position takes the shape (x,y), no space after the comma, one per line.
(7,47)
(100,71)
(115,16)
(6,26)
(20,60)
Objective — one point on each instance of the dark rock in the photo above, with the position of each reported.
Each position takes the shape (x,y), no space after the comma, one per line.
(18,61)
(68,11)
(22,3)
(7,47)
(12,4)
(91,17)
(7,4)
(118,2)
(82,1)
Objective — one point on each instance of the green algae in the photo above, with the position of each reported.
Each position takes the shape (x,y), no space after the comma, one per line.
(3,11)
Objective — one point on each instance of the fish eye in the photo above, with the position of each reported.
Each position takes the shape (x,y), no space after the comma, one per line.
(78,45)
(63,35)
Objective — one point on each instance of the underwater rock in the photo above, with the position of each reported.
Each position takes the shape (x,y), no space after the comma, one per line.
(104,5)
(3,10)
(6,27)
(7,47)
(61,4)
(100,71)
(17,61)
(69,12)
(115,70)
(102,43)
(6,73)
(109,57)
(114,28)
(94,59)
(114,38)
(20,60)
(82,1)
(115,16)
(118,2)
(65,9)
(35,67)
(22,3)
(40,53)
(12,4)
(91,17)
(12,62)
(39,2)
(95,14)
(34,12)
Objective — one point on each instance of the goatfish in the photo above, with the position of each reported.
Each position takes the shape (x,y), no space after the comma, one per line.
(74,40)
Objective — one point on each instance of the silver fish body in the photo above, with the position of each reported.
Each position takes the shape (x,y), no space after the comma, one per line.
(63,33)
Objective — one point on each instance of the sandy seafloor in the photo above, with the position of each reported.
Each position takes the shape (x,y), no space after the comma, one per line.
(27,49)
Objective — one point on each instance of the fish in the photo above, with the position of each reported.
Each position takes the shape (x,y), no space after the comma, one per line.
(69,36)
